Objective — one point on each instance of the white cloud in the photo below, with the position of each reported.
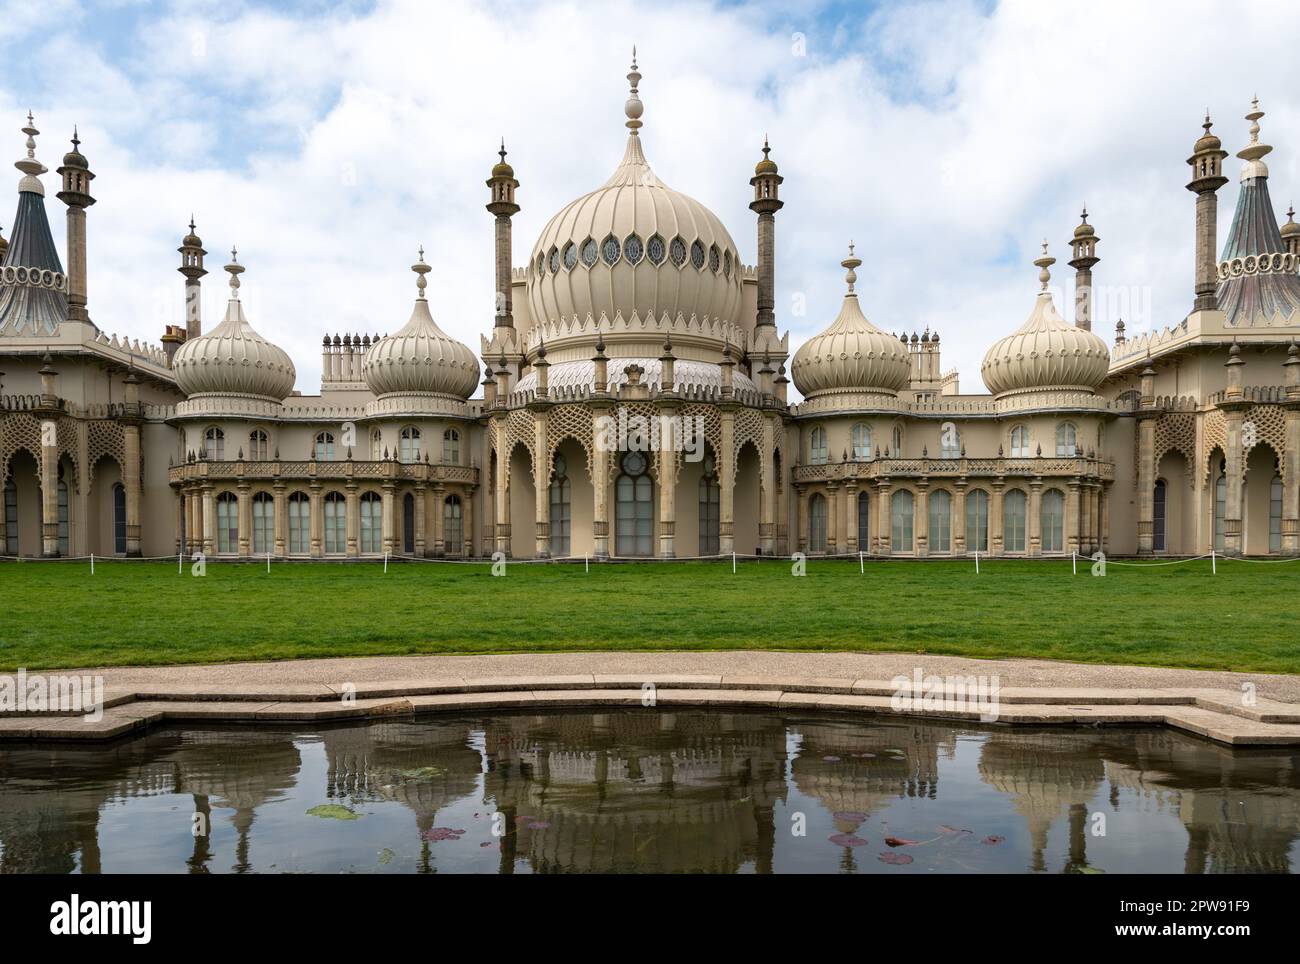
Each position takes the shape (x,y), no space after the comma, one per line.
(945,139)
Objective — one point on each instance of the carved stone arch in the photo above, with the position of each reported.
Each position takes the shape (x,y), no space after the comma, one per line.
(104,437)
(19,431)
(1214,434)
(749,428)
(570,422)
(1270,429)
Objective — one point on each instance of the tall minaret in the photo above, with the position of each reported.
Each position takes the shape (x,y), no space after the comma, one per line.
(503,206)
(1207,177)
(77,176)
(1084,248)
(191,251)
(766,203)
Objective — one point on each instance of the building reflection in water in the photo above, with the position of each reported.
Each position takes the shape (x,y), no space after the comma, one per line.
(646,791)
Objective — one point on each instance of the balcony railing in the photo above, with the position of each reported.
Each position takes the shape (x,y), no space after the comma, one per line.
(345,469)
(884,468)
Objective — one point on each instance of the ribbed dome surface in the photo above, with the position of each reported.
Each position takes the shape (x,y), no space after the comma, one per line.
(233,359)
(1045,353)
(421,359)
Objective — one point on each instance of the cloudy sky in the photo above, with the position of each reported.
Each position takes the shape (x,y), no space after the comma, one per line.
(329,140)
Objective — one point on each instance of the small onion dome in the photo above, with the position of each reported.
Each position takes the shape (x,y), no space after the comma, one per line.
(233,359)
(1290,229)
(1084,230)
(420,358)
(766,165)
(852,354)
(501,168)
(1046,352)
(192,240)
(1207,141)
(74,157)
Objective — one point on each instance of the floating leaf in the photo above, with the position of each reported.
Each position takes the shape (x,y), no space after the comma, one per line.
(993,840)
(385,856)
(895,858)
(898,842)
(333,811)
(846,840)
(442,833)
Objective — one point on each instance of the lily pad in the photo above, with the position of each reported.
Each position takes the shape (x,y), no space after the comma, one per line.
(442,833)
(894,858)
(898,842)
(846,840)
(333,811)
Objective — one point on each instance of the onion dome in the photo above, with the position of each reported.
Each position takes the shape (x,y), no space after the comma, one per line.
(233,359)
(634,245)
(852,355)
(192,240)
(1084,230)
(420,358)
(1047,352)
(1290,229)
(1207,141)
(74,157)
(766,165)
(501,168)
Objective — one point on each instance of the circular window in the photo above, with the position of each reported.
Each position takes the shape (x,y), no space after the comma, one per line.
(555,260)
(633,250)
(655,250)
(610,250)
(570,255)
(715,262)
(677,251)
(697,254)
(589,252)
(634,463)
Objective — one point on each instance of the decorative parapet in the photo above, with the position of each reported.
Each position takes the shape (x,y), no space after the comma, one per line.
(683,330)
(202,470)
(709,394)
(969,406)
(886,468)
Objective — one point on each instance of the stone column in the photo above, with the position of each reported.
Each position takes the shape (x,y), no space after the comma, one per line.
(440,520)
(884,531)
(281,504)
(767,502)
(541,487)
(209,520)
(317,519)
(832,517)
(467,523)
(850,491)
(1291,460)
(727,484)
(801,517)
(131,485)
(600,471)
(245,507)
(667,497)
(959,518)
(1034,524)
(1071,522)
(353,513)
(1146,481)
(502,493)
(49,488)
(921,518)
(1234,474)
(421,497)
(389,520)
(996,517)
(182,524)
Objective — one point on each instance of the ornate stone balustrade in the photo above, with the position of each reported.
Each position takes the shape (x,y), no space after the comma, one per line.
(206,469)
(885,468)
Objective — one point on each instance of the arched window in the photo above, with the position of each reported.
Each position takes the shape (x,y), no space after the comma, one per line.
(634,508)
(119,518)
(817,523)
(299,523)
(64,548)
(1052,516)
(897,440)
(11,518)
(214,443)
(257,445)
(263,523)
(1275,514)
(376,445)
(1158,502)
(408,523)
(372,523)
(1066,439)
(949,442)
(902,506)
(410,441)
(561,507)
(227,522)
(818,449)
(453,535)
(1220,504)
(324,447)
(1013,521)
(861,441)
(451,447)
(710,494)
(864,522)
(977,521)
(1020,442)
(336,523)
(940,521)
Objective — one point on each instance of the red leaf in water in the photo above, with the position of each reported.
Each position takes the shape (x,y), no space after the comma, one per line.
(442,833)
(898,842)
(892,858)
(846,840)
(993,840)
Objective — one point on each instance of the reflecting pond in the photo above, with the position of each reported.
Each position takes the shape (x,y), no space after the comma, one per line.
(647,791)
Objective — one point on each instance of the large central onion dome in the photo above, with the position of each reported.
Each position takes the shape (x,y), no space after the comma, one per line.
(852,355)
(1047,352)
(233,359)
(421,358)
(634,245)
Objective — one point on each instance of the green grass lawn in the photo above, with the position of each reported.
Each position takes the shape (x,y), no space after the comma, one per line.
(55,614)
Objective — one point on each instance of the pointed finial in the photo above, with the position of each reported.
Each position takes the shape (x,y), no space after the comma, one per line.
(1208,123)
(1044,261)
(420,269)
(1254,152)
(191,222)
(633,108)
(1084,215)
(851,262)
(502,152)
(235,269)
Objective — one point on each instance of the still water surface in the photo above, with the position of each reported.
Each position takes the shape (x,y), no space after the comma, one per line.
(649,791)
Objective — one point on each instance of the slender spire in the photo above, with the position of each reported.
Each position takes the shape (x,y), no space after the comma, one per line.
(30,167)
(1254,152)
(1044,261)
(633,108)
(852,262)
(420,269)
(235,269)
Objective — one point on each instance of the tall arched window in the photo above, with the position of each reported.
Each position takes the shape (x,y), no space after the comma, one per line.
(818,449)
(376,445)
(324,447)
(861,441)
(817,523)
(372,523)
(949,442)
(453,535)
(1275,514)
(940,521)
(1158,503)
(451,447)
(11,518)
(561,507)
(410,442)
(214,443)
(1220,504)
(897,440)
(1052,514)
(902,505)
(299,523)
(710,517)
(119,518)
(263,523)
(977,521)
(336,523)
(408,523)
(1013,521)
(227,522)
(1020,442)
(634,508)
(864,522)
(1066,439)
(64,547)
(257,445)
